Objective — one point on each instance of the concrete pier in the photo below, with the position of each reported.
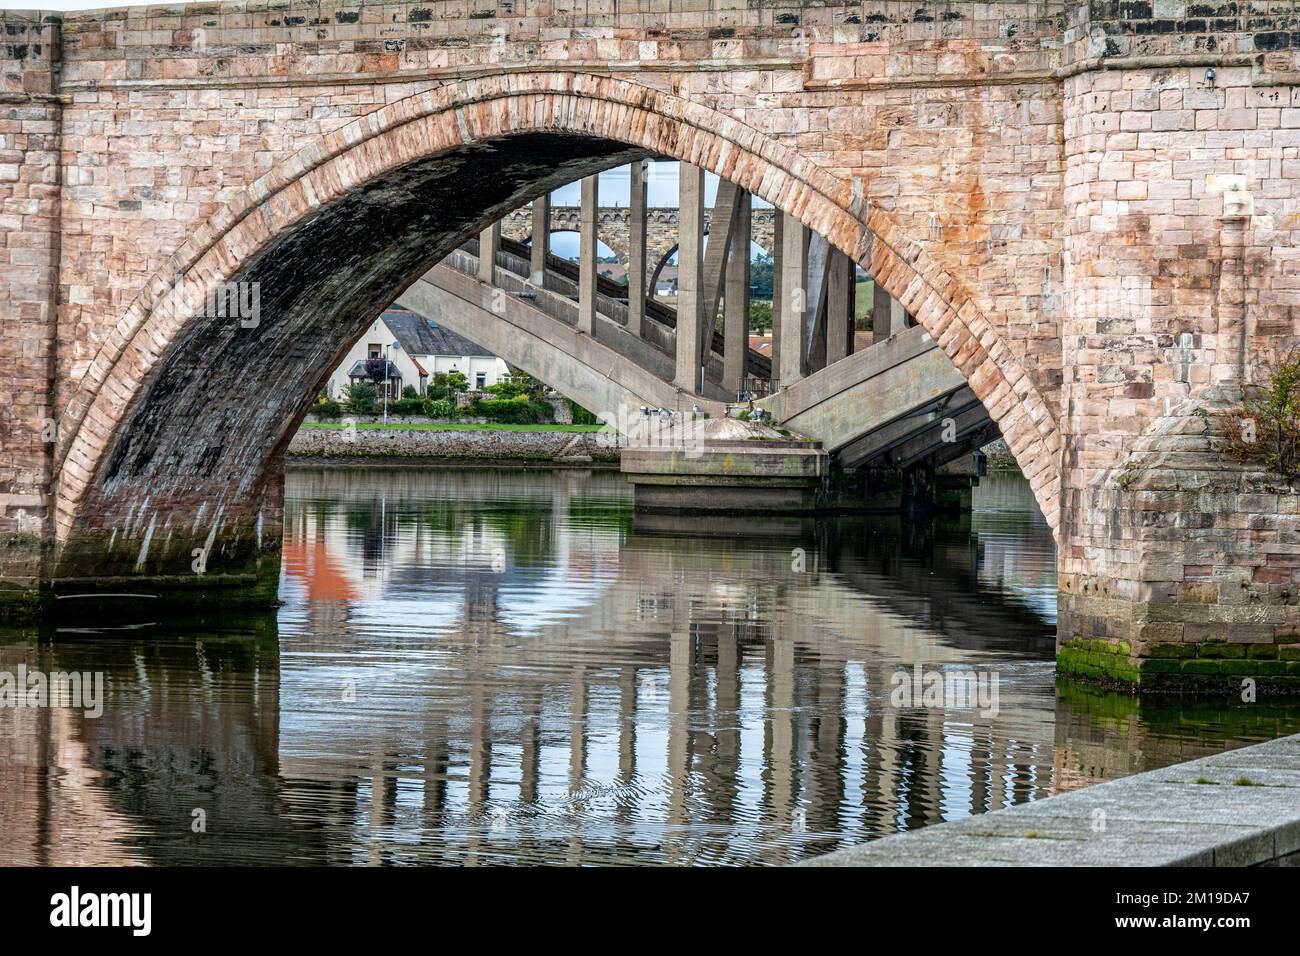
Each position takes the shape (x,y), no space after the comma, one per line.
(724,465)
(1239,808)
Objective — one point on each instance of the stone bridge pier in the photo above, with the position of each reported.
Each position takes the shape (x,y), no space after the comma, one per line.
(1091,206)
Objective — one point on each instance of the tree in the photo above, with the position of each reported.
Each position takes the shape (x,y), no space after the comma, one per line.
(457,382)
(760,315)
(377,369)
(359,398)
(533,387)
(760,277)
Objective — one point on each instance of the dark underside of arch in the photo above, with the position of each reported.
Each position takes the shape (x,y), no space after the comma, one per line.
(227,396)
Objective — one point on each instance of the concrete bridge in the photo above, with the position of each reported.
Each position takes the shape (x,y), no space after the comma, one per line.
(886,404)
(1090,206)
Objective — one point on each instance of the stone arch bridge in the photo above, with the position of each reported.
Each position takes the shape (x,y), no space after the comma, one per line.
(1089,205)
(614,227)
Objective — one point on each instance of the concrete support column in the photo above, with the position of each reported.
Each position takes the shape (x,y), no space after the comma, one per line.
(781,790)
(681,668)
(588,217)
(879,314)
(897,317)
(814,322)
(578,729)
(839,307)
(627,686)
(722,224)
(489,244)
(530,749)
(778,260)
(690,269)
(888,317)
(727,720)
(541,244)
(794,296)
(735,307)
(636,271)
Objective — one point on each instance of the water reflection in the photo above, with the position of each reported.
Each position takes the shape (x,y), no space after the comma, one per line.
(509,666)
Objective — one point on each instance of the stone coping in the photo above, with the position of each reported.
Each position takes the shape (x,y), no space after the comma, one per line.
(1237,808)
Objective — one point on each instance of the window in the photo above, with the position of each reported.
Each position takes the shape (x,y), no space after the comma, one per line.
(480,381)
(374,350)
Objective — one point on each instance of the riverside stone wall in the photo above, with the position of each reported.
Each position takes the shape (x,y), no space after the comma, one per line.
(455,444)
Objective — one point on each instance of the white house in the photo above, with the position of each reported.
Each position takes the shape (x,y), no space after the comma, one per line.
(417,349)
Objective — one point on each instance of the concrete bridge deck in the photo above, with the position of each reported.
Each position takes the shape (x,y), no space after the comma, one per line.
(1238,808)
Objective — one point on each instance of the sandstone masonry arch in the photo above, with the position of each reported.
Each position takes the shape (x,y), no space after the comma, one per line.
(102,464)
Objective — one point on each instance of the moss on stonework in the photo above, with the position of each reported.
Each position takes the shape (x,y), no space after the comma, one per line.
(1098,660)
(253,584)
(1211,667)
(1220,716)
(21,603)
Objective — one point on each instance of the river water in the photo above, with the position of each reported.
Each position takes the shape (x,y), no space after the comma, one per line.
(510,666)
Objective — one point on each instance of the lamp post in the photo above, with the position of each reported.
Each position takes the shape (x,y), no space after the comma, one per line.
(388,378)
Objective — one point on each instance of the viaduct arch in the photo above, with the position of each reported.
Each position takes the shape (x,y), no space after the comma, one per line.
(613,227)
(134,445)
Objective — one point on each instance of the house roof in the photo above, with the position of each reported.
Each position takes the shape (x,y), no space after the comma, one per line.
(421,336)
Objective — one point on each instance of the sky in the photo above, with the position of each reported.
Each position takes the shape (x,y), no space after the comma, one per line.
(661,188)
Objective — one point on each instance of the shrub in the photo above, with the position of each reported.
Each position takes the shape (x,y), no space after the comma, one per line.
(533,386)
(409,391)
(1265,428)
(359,398)
(405,407)
(439,408)
(580,415)
(457,382)
(508,388)
(327,408)
(512,411)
